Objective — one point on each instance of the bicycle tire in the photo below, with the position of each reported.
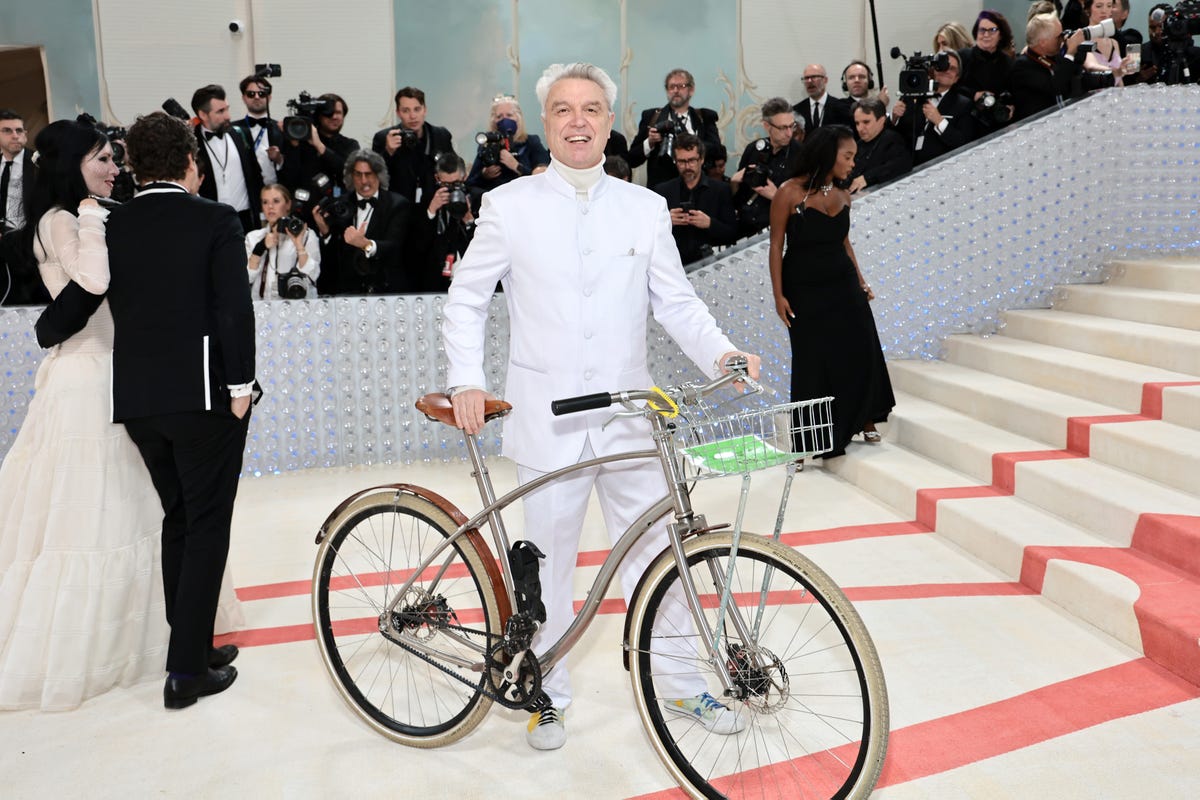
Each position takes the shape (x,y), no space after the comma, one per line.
(373,543)
(814,701)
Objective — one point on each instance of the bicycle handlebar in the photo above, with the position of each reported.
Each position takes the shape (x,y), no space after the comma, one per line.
(736,367)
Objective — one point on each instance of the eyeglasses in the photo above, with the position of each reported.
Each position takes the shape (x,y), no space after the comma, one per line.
(257,93)
(989,30)
(11,131)
(814,77)
(790,126)
(677,87)
(687,162)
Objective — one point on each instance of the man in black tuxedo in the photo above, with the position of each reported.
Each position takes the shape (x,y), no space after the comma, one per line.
(1044,75)
(821,108)
(940,123)
(259,128)
(225,158)
(20,283)
(701,209)
(411,148)
(441,233)
(182,378)
(654,148)
(364,253)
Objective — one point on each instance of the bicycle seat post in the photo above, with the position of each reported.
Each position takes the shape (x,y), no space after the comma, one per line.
(483,481)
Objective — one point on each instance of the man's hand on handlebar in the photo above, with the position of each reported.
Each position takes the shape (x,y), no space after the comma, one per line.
(468,409)
(736,357)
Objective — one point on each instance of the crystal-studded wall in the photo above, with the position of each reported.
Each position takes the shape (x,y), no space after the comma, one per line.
(946,250)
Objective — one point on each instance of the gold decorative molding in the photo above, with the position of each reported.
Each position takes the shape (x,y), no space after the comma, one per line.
(514,49)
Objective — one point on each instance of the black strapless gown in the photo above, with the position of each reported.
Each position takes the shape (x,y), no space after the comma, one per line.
(835,346)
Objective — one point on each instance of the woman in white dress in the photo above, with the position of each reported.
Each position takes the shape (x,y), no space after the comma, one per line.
(81,598)
(273,250)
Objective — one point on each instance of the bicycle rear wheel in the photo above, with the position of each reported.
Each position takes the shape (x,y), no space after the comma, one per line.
(809,687)
(427,693)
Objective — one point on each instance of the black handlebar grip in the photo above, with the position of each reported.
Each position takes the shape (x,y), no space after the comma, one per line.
(570,405)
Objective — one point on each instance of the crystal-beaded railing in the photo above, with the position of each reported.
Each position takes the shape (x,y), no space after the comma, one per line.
(946,250)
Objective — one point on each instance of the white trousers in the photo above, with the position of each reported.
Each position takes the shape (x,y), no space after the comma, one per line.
(554,517)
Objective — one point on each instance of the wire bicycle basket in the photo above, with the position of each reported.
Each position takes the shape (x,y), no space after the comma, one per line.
(719,444)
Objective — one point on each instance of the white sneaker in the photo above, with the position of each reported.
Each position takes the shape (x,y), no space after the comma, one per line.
(704,708)
(545,730)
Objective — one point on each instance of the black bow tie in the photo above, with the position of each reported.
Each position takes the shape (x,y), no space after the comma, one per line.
(252,121)
(210,134)
(363,202)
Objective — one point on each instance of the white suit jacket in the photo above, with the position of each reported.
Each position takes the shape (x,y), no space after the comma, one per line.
(580,279)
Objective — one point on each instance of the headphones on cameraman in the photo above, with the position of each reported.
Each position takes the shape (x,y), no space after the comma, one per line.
(870,75)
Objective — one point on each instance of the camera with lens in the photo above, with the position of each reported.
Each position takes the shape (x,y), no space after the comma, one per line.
(291,224)
(490,144)
(293,285)
(755,176)
(994,109)
(915,81)
(305,111)
(408,138)
(303,198)
(1101,30)
(456,204)
(339,211)
(1179,25)
(669,129)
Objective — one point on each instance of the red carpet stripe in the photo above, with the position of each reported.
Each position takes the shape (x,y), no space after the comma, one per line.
(940,745)
(1152,397)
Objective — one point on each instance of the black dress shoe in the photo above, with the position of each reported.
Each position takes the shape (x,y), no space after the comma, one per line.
(182,692)
(223,655)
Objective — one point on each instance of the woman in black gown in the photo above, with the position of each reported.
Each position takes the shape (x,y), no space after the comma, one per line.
(820,293)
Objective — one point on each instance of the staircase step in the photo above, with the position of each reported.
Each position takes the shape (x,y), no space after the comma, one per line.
(1153,345)
(1114,382)
(1177,275)
(1154,306)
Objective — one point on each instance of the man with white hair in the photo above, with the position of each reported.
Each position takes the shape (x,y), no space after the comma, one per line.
(583,258)
(1044,74)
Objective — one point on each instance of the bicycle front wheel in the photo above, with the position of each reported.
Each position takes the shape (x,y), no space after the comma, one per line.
(809,694)
(424,691)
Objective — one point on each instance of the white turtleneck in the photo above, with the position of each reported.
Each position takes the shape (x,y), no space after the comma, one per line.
(582,179)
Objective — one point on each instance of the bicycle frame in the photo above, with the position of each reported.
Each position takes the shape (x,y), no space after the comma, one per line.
(677,499)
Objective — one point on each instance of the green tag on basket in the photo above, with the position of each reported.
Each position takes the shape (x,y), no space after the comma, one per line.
(737,455)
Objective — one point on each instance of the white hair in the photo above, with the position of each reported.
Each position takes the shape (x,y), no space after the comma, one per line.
(588,72)
(1039,28)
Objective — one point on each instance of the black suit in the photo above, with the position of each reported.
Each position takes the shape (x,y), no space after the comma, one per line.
(884,158)
(347,270)
(438,243)
(301,162)
(923,139)
(410,169)
(183,332)
(251,172)
(711,197)
(660,167)
(16,261)
(835,111)
(1038,83)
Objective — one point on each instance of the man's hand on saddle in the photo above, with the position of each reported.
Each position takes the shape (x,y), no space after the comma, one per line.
(468,409)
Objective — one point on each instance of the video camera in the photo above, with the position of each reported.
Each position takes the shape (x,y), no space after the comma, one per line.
(916,81)
(1179,25)
(305,111)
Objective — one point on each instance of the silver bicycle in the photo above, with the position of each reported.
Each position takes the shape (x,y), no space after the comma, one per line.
(423,627)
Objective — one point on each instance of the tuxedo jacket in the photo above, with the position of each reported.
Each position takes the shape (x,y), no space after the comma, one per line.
(250,168)
(956,108)
(836,111)
(408,169)
(347,270)
(661,168)
(1036,87)
(711,197)
(183,323)
(884,158)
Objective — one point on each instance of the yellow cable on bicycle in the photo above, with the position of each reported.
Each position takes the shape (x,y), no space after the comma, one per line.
(672,409)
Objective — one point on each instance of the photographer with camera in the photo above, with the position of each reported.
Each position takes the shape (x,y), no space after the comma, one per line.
(934,118)
(442,233)
(363,232)
(1046,73)
(702,215)
(985,68)
(505,151)
(259,128)
(764,166)
(1171,57)
(882,153)
(313,138)
(654,144)
(232,174)
(411,149)
(1104,53)
(283,256)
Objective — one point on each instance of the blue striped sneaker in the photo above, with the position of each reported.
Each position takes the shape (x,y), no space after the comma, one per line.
(705,709)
